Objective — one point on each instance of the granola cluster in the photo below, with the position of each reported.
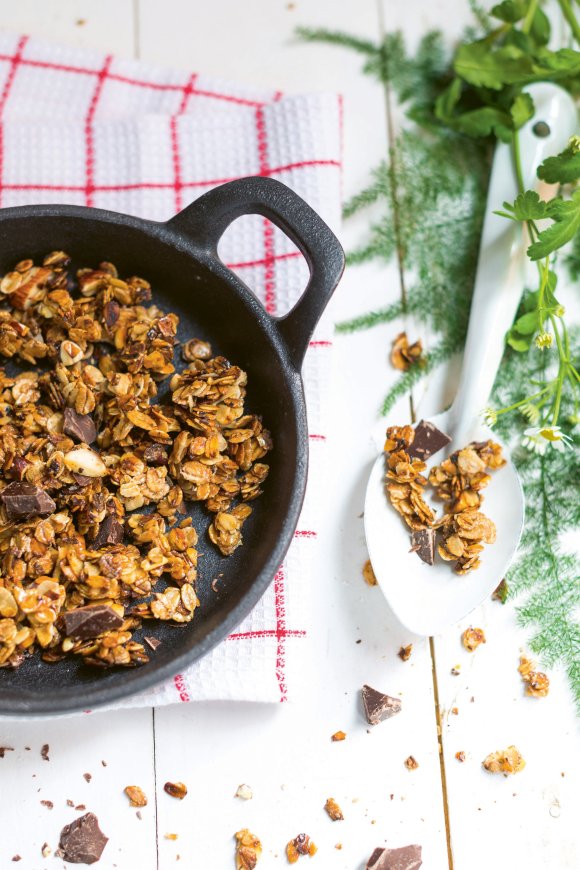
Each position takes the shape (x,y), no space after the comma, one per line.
(458,481)
(99,453)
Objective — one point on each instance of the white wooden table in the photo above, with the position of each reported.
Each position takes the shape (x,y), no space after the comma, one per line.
(463,817)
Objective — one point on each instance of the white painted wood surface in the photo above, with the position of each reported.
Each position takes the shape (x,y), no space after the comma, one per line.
(285,753)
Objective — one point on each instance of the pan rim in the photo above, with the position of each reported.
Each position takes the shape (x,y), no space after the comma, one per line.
(20,704)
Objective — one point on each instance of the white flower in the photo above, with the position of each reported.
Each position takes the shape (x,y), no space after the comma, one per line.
(489,417)
(544,340)
(539,437)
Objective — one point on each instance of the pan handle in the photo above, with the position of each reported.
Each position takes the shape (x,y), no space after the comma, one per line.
(206,219)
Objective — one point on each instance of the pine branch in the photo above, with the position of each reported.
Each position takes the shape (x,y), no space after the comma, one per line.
(336,37)
(371,318)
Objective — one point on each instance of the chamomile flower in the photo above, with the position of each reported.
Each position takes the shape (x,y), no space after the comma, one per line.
(544,340)
(539,437)
(489,417)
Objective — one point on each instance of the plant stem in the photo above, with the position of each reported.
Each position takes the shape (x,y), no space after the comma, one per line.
(568,14)
(518,161)
(527,22)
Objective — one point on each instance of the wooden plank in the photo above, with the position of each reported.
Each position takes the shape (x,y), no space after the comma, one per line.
(285,753)
(108,25)
(531,815)
(77,745)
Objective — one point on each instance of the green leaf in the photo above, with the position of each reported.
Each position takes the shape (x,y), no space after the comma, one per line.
(528,323)
(566,216)
(528,207)
(447,100)
(541,29)
(509,11)
(518,342)
(480,65)
(483,122)
(564,168)
(522,109)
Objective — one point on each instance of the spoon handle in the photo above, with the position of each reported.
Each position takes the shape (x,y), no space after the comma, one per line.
(500,272)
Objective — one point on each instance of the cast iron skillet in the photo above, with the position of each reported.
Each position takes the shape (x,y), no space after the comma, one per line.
(180,259)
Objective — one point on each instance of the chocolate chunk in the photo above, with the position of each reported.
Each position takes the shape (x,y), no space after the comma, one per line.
(82,479)
(423,544)
(111,531)
(24,500)
(80,427)
(155,454)
(153,642)
(405,858)
(428,440)
(82,842)
(378,706)
(44,751)
(90,621)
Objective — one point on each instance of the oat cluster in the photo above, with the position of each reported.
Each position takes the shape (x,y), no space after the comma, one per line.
(102,442)
(458,481)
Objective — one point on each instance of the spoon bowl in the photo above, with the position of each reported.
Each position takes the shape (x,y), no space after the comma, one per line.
(427,599)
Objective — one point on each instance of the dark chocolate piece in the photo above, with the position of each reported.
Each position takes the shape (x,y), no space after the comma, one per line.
(405,858)
(24,500)
(153,642)
(80,427)
(90,621)
(111,531)
(423,544)
(44,751)
(82,479)
(428,440)
(82,842)
(18,468)
(378,706)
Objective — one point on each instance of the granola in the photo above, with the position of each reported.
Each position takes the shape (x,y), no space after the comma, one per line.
(506,761)
(458,481)
(248,850)
(403,354)
(472,638)
(102,442)
(334,811)
(300,845)
(537,683)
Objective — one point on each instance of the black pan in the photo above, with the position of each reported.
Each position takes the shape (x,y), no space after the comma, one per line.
(180,260)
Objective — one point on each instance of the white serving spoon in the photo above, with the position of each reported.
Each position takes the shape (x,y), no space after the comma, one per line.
(429,598)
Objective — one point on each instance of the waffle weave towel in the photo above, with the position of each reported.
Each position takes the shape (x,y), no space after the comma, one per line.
(80,127)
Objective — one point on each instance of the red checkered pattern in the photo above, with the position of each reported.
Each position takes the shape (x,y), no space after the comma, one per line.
(80,127)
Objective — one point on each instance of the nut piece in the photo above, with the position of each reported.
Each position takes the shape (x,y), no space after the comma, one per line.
(300,845)
(472,638)
(411,763)
(337,736)
(175,789)
(248,850)
(537,683)
(244,792)
(136,796)
(82,460)
(403,354)
(460,756)
(405,652)
(369,574)
(333,810)
(506,761)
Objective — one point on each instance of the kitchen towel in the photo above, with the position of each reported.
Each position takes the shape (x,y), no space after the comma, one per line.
(80,127)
